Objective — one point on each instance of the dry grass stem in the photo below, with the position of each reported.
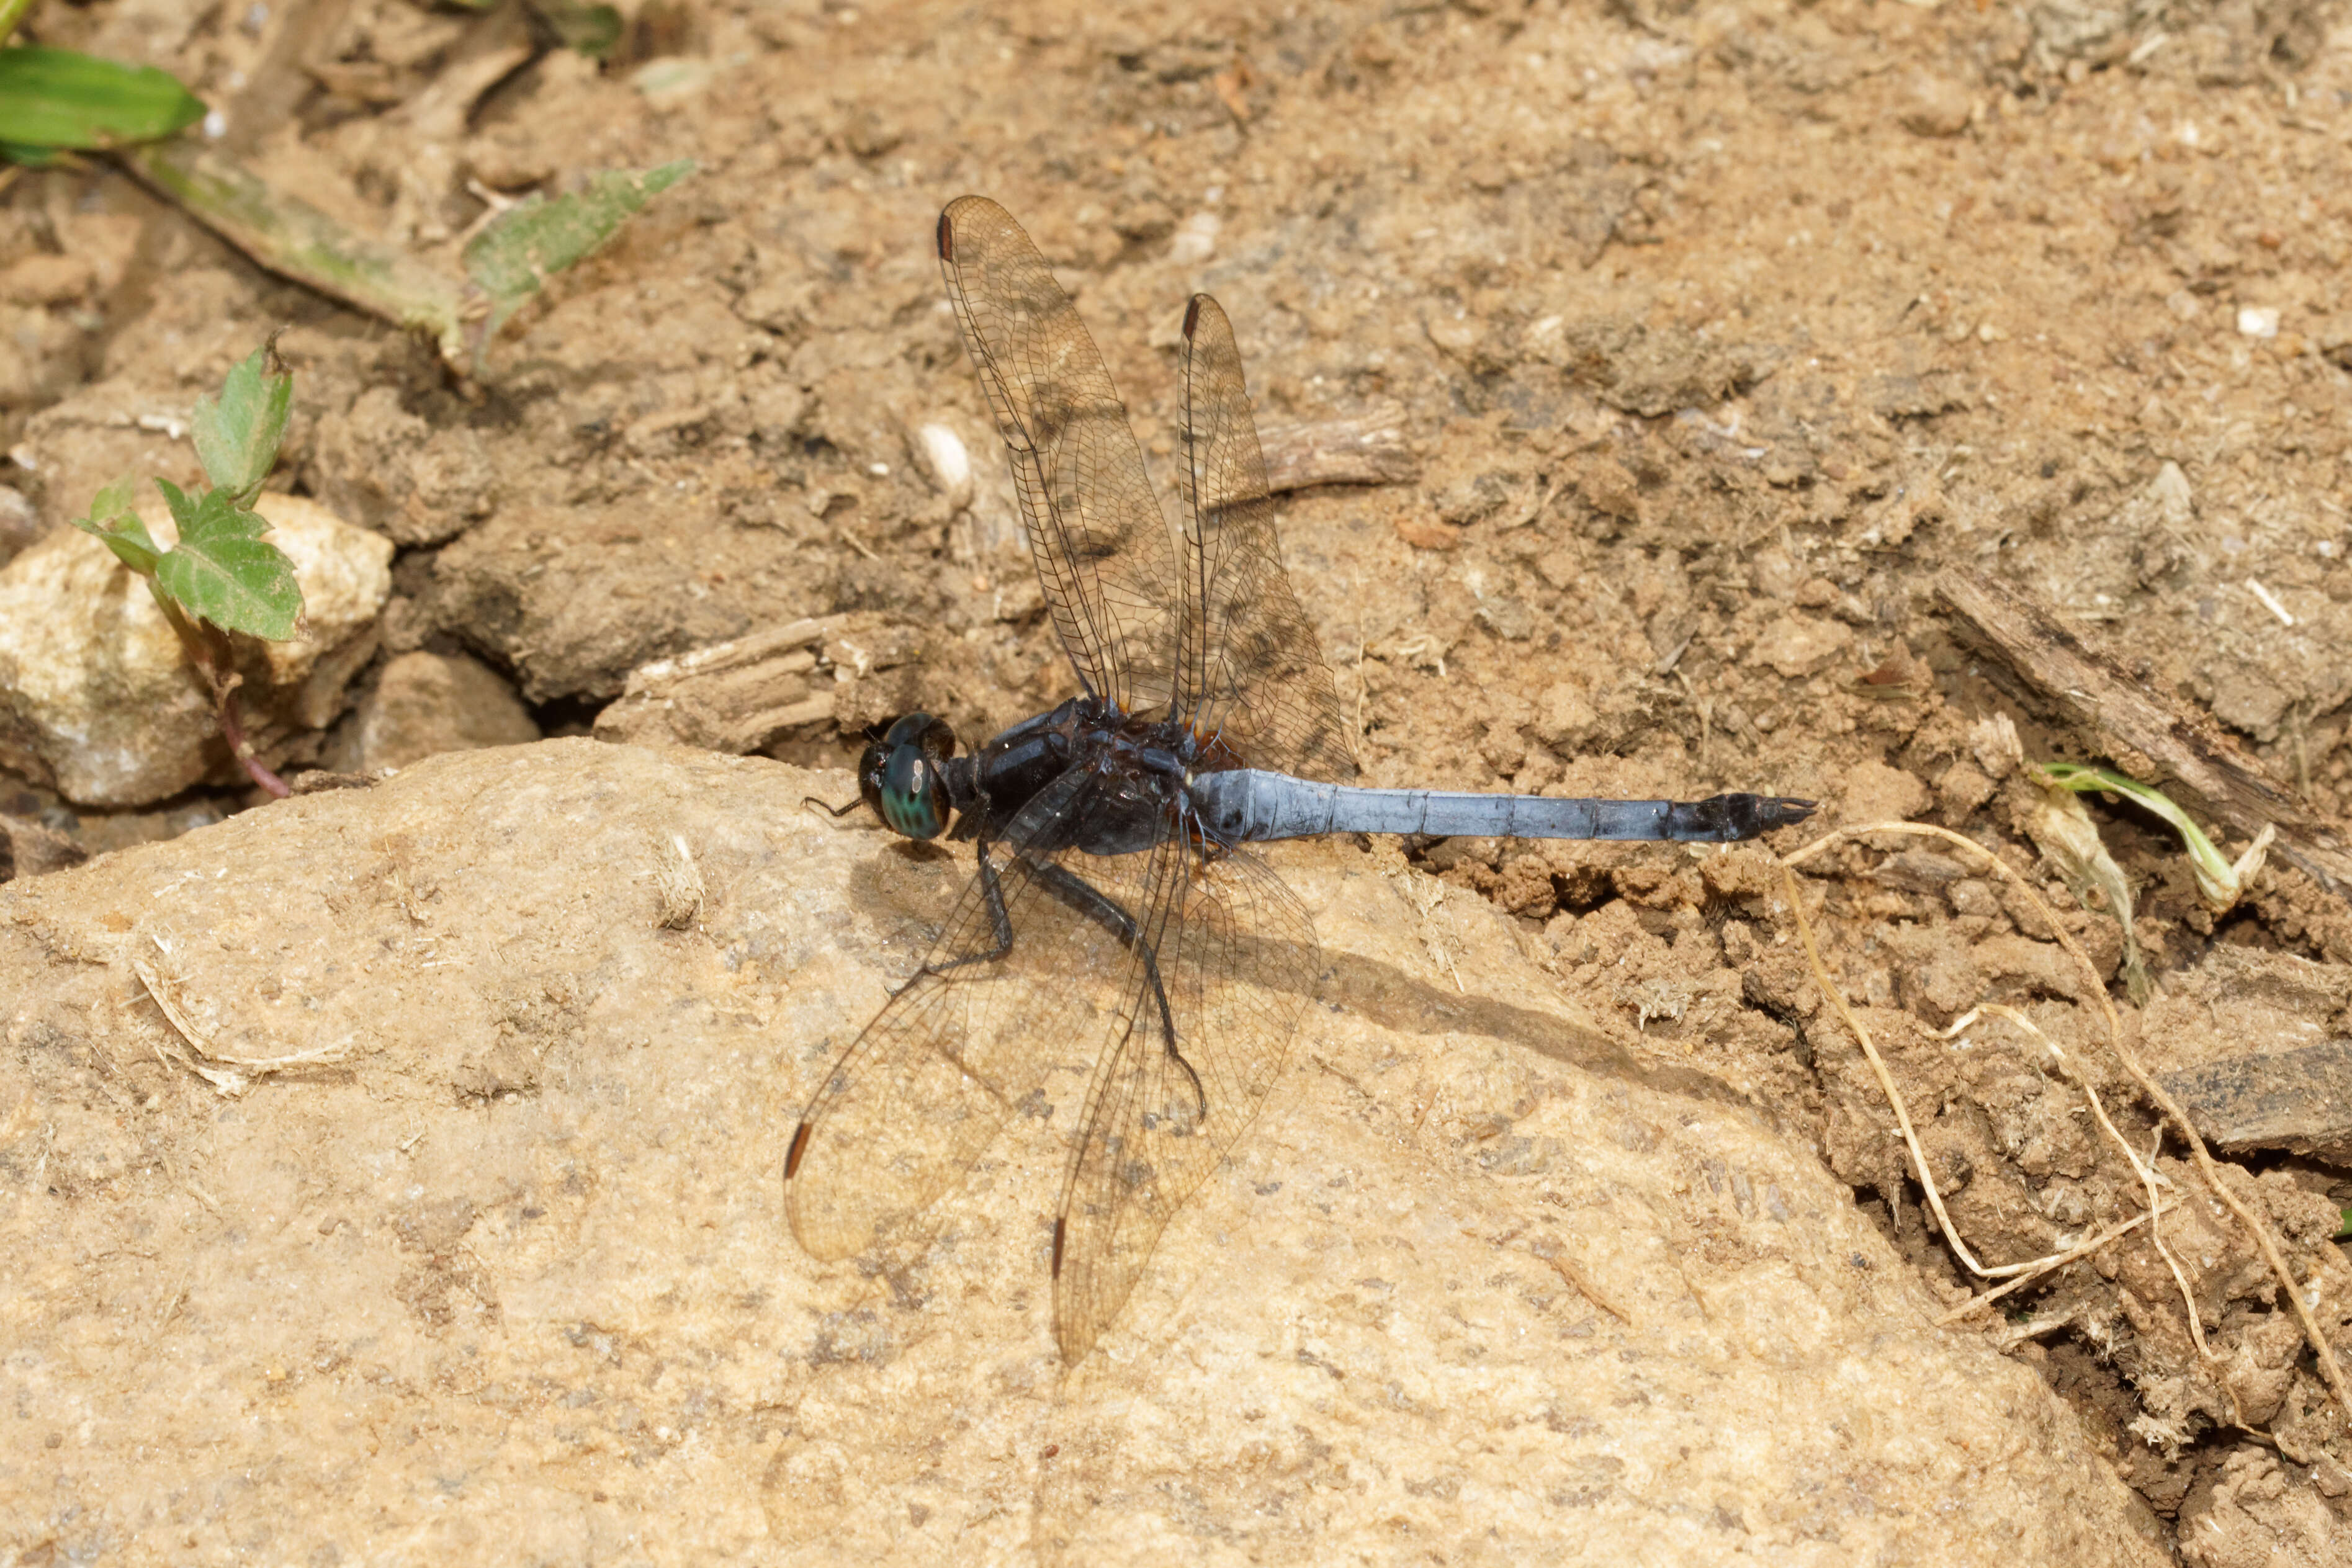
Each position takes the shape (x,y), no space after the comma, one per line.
(2330,1369)
(2045,1265)
(226,1070)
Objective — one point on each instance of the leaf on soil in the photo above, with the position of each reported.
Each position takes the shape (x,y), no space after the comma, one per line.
(112,519)
(238,436)
(513,257)
(2066,835)
(61,98)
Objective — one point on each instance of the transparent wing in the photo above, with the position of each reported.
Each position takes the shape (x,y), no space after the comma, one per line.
(1237,958)
(918,1096)
(1249,661)
(1101,544)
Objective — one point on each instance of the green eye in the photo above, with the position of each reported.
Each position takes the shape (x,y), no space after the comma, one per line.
(901,773)
(914,801)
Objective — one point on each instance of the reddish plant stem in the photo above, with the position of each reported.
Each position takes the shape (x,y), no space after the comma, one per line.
(232,729)
(208,651)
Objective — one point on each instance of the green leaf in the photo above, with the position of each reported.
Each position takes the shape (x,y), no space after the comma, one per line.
(218,516)
(112,519)
(531,242)
(584,29)
(31,157)
(236,582)
(238,436)
(183,505)
(59,97)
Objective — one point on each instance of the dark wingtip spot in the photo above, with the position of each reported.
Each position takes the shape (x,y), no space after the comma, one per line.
(800,1147)
(1192,314)
(1057,1247)
(947,237)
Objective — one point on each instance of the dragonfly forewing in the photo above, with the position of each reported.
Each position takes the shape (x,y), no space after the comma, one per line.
(1251,669)
(1105,558)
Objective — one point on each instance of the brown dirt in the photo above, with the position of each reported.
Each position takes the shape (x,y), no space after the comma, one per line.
(1721,331)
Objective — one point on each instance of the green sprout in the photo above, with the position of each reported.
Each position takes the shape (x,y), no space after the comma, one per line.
(2221,883)
(55,104)
(222,577)
(2067,835)
(506,263)
(54,101)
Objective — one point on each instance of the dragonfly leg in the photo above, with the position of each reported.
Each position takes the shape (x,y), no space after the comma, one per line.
(1000,923)
(1104,911)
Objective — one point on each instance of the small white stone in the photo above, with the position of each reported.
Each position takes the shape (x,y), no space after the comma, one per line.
(2258,320)
(1196,241)
(940,453)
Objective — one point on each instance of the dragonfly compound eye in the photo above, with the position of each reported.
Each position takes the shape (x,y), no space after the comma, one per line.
(909,795)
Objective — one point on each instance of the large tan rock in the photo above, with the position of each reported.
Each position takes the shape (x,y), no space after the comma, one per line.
(498,1269)
(97,699)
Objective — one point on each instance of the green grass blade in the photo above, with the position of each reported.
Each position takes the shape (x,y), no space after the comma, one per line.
(2219,881)
(238,435)
(293,238)
(531,242)
(237,583)
(61,98)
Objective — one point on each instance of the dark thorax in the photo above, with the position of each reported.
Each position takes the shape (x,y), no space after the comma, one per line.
(1139,767)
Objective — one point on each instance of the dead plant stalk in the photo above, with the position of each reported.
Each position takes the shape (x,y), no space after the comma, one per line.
(2175,1116)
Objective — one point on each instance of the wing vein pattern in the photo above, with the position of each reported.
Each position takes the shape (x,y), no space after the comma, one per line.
(1104,555)
(1251,666)
(969,1041)
(1237,954)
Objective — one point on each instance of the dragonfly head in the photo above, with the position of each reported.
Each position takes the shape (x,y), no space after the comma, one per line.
(899,776)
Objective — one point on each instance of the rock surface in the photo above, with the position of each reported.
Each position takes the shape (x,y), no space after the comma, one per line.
(426,704)
(97,698)
(495,1262)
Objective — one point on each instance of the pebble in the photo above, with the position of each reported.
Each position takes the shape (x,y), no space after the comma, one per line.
(1934,106)
(942,458)
(1196,241)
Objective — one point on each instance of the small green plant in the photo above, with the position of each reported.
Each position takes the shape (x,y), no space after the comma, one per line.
(2220,882)
(222,578)
(55,104)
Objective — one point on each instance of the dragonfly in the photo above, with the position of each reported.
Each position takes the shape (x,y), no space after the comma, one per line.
(1116,899)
